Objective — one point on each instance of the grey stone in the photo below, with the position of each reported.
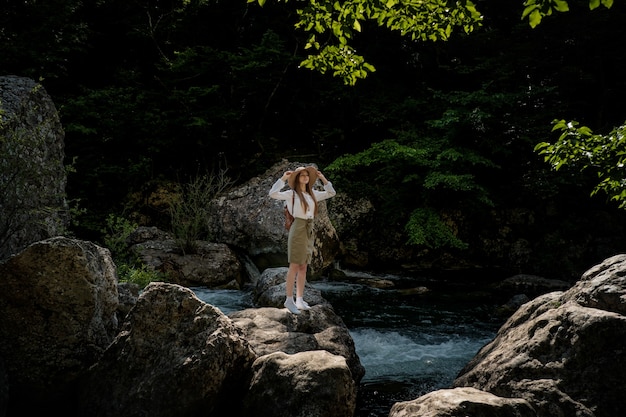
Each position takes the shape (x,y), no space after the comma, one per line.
(32,174)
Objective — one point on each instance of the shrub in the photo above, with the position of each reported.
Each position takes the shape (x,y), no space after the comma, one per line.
(140,275)
(189,213)
(116,234)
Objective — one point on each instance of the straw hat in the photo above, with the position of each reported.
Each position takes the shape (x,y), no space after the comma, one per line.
(296,172)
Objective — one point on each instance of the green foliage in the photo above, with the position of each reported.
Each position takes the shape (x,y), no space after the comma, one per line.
(580,147)
(426,228)
(536,10)
(444,159)
(151,92)
(129,268)
(342,61)
(155,115)
(379,154)
(116,233)
(55,33)
(431,20)
(76,212)
(373,171)
(412,182)
(190,212)
(140,275)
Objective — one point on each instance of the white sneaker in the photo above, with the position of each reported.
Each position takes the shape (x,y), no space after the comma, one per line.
(291,306)
(302,305)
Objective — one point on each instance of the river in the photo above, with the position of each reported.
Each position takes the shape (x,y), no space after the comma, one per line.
(409,342)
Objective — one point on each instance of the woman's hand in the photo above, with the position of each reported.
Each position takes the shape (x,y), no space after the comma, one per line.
(321,177)
(286,175)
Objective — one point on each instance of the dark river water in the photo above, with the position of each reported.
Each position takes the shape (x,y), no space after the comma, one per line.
(410,343)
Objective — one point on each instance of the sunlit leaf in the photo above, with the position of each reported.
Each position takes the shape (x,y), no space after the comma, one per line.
(561,6)
(337,29)
(535,18)
(369,67)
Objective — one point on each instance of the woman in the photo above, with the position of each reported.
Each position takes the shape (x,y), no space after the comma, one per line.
(300,241)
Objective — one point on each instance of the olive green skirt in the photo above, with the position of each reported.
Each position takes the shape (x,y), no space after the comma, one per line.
(300,242)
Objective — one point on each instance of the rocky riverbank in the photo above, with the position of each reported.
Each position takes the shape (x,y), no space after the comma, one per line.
(76,342)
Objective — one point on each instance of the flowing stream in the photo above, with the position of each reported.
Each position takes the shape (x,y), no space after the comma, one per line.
(409,341)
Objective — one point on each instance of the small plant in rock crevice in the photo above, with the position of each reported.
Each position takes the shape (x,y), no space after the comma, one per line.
(129,267)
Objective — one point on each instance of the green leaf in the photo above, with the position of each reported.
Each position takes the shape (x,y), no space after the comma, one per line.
(535,18)
(529,9)
(561,6)
(337,29)
(607,3)
(369,67)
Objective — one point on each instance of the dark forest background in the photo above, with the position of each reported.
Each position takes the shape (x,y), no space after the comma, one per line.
(440,138)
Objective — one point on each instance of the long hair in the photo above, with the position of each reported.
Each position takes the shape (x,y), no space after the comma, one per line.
(309,190)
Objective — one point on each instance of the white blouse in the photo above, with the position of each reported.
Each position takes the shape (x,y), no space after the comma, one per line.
(298,210)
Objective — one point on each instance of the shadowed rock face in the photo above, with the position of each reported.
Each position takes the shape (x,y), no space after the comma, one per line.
(562,352)
(213,265)
(32,174)
(62,349)
(174,356)
(58,302)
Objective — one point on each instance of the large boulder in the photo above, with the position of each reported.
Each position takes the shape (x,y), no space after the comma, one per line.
(62,351)
(602,287)
(272,330)
(174,356)
(563,352)
(213,265)
(249,219)
(32,174)
(462,402)
(58,302)
(306,384)
(275,329)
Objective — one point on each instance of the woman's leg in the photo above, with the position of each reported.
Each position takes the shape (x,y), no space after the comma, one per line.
(300,282)
(289,284)
(291,279)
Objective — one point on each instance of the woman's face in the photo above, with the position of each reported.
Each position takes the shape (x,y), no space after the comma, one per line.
(303,178)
